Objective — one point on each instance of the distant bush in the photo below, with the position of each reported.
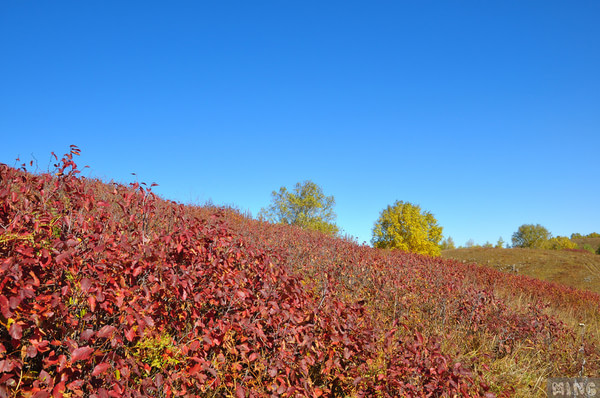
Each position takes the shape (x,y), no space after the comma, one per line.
(447,244)
(598,251)
(500,243)
(579,236)
(589,248)
(560,243)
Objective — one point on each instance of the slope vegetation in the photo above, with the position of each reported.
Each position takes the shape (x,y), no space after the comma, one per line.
(107,290)
(576,268)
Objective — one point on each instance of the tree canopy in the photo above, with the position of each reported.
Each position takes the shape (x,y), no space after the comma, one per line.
(404,226)
(560,243)
(447,244)
(307,207)
(532,236)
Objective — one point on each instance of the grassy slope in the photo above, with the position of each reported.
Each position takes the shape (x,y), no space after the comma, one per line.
(593,242)
(425,291)
(580,270)
(333,317)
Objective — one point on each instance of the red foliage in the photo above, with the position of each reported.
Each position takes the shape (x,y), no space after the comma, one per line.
(107,290)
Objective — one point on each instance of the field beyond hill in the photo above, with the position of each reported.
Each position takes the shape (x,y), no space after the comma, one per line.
(107,290)
(579,269)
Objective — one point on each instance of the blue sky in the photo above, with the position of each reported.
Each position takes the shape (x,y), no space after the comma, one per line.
(487,113)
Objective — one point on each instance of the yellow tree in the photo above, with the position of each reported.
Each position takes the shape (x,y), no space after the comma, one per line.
(560,243)
(405,227)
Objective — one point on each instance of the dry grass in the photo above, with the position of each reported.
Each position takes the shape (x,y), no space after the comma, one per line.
(576,269)
(593,242)
(525,369)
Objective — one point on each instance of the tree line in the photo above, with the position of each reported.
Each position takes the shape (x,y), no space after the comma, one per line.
(401,225)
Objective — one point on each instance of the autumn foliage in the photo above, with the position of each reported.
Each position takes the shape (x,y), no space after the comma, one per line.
(405,227)
(107,290)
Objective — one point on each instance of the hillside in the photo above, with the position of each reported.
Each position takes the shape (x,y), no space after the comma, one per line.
(593,242)
(579,269)
(108,290)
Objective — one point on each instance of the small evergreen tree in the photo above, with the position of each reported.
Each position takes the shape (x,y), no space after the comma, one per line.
(500,243)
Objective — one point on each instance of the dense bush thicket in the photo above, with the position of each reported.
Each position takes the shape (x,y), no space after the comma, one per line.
(107,290)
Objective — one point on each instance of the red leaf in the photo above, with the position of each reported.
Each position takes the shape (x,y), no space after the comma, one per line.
(100,368)
(59,389)
(239,392)
(130,334)
(92,303)
(6,366)
(106,331)
(36,281)
(81,353)
(26,251)
(419,337)
(86,283)
(62,256)
(31,351)
(16,332)
(149,321)
(281,389)
(194,369)
(75,385)
(117,389)
(4,307)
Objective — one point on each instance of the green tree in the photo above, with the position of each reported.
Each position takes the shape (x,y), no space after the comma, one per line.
(448,244)
(532,236)
(307,207)
(403,226)
(500,243)
(588,248)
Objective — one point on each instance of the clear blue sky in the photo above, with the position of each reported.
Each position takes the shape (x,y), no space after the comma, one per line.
(486,113)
